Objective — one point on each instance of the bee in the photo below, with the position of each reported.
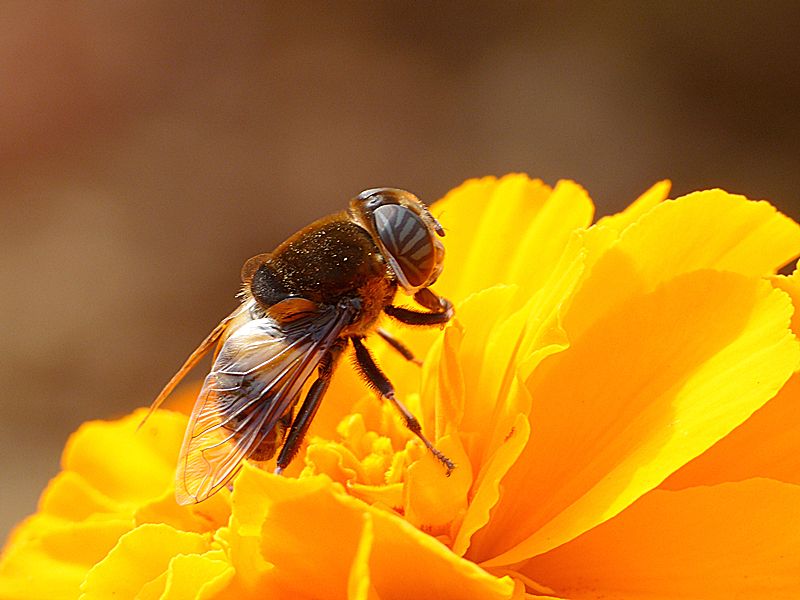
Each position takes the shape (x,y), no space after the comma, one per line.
(302,305)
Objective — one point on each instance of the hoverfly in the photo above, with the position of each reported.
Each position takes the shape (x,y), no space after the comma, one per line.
(302,304)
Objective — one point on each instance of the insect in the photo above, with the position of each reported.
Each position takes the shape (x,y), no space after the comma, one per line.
(303,304)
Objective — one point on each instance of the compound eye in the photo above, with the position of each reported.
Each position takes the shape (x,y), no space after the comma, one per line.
(408,243)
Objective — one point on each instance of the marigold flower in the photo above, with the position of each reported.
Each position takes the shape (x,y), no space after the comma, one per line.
(620,399)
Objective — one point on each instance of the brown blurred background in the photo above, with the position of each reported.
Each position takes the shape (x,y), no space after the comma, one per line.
(147,148)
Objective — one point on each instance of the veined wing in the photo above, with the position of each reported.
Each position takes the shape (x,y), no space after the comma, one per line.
(256,377)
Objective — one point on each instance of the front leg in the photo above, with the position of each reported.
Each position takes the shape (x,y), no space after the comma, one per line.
(441,310)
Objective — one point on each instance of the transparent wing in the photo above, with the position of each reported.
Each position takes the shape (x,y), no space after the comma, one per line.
(195,357)
(256,377)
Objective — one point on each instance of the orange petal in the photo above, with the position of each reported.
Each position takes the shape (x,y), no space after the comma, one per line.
(682,366)
(406,563)
(347,387)
(334,460)
(359,585)
(739,540)
(309,528)
(434,501)
(389,496)
(249,508)
(766,445)
(312,521)
(791,285)
(487,489)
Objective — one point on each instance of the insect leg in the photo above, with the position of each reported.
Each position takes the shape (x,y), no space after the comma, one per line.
(441,310)
(376,377)
(425,297)
(399,346)
(310,405)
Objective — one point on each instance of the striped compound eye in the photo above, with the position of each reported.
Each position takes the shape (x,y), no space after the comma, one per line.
(409,244)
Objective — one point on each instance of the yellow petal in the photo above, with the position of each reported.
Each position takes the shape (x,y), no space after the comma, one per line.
(460,209)
(50,560)
(546,236)
(70,496)
(475,216)
(712,229)
(477,369)
(193,577)
(139,557)
(704,230)
(449,394)
(206,516)
(738,540)
(681,367)
(483,218)
(641,206)
(133,465)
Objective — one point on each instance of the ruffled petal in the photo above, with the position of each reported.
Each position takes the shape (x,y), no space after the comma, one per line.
(48,558)
(641,206)
(190,577)
(403,562)
(140,556)
(712,229)
(704,230)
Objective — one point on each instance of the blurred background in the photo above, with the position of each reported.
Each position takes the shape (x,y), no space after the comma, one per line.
(148,148)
